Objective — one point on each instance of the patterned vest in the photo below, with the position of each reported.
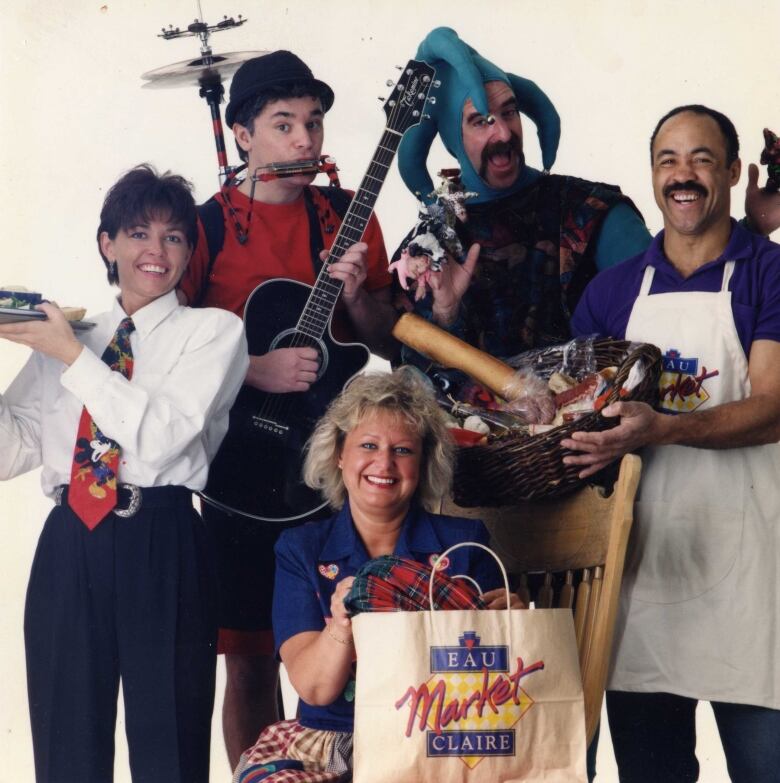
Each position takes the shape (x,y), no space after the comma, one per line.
(536,259)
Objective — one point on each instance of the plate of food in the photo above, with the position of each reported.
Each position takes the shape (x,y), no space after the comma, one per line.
(18,304)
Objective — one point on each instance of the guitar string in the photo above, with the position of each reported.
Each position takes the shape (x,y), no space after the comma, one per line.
(325,287)
(315,326)
(276,405)
(386,150)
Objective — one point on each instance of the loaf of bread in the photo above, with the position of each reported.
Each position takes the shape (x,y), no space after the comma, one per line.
(446,349)
(74,313)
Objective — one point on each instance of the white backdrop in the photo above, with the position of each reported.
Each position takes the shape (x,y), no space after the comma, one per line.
(74,117)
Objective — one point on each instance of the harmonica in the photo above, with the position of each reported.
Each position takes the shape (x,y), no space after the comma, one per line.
(322,165)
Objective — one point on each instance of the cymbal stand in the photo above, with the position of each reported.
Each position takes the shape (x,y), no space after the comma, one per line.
(211,87)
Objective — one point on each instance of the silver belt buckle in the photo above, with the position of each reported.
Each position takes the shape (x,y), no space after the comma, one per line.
(58,494)
(135,501)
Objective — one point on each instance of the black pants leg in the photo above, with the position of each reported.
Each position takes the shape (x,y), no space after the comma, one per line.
(72,657)
(166,627)
(133,598)
(654,737)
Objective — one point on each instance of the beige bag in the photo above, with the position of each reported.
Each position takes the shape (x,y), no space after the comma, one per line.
(468,695)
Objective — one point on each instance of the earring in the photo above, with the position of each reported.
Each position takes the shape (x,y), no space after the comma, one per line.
(112,268)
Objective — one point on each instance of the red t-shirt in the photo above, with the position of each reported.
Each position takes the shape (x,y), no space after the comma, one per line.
(278,246)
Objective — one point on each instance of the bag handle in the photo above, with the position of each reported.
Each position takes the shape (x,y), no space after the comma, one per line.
(467,578)
(447,552)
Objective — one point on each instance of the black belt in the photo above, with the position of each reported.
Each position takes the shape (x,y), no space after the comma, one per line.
(131,498)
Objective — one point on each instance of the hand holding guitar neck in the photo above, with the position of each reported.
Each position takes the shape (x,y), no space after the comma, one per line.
(351,270)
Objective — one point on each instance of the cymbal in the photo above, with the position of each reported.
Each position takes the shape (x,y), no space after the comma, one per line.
(197,71)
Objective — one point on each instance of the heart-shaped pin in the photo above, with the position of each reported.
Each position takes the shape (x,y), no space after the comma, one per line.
(438,562)
(329,571)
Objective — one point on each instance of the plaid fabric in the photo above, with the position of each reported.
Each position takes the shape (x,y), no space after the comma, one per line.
(397,584)
(287,752)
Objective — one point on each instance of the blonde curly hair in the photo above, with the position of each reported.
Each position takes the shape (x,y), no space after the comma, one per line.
(402,392)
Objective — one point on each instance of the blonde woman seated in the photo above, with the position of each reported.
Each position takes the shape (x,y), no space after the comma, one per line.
(382,457)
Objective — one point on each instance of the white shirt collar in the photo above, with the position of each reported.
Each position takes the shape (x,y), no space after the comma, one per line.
(149,317)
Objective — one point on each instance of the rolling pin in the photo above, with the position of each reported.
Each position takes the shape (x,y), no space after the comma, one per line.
(449,351)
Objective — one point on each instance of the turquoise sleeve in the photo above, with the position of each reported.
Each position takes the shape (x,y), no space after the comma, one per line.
(623,235)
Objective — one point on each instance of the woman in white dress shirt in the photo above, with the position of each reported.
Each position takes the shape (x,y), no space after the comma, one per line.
(122,583)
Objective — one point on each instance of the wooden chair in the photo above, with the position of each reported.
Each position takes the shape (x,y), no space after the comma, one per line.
(578,543)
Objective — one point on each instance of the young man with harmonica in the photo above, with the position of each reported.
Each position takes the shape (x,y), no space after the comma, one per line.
(275,228)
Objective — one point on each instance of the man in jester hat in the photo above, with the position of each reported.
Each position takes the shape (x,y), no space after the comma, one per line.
(542,237)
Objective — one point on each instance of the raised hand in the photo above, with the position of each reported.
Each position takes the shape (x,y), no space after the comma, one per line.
(449,284)
(762,207)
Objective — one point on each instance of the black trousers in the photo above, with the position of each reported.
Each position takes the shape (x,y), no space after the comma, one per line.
(133,599)
(654,736)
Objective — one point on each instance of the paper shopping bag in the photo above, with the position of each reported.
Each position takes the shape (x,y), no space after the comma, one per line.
(468,695)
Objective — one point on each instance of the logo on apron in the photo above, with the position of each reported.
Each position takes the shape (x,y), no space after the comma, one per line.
(469,707)
(682,384)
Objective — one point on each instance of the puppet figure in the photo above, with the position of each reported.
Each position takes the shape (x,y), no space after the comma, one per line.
(433,237)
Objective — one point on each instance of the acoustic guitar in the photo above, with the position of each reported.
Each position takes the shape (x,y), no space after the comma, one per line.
(257,471)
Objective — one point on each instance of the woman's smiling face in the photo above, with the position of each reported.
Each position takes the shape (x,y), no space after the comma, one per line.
(150,258)
(380,463)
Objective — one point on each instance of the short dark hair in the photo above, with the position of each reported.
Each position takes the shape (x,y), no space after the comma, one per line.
(142,195)
(724,123)
(248,110)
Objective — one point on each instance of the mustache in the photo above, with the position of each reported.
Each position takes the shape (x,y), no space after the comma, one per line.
(514,144)
(690,185)
(499,147)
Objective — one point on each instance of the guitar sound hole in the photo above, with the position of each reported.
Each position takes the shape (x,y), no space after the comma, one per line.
(290,338)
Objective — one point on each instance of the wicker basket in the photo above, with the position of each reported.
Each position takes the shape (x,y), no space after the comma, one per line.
(517,468)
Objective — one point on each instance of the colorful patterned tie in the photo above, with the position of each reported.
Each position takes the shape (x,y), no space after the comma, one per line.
(92,491)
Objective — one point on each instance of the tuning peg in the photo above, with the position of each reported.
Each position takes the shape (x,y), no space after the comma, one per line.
(389,82)
(380,99)
(426,116)
(415,113)
(399,67)
(426,79)
(391,104)
(432,100)
(437,83)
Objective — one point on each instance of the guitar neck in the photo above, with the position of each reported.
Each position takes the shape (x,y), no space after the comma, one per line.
(325,293)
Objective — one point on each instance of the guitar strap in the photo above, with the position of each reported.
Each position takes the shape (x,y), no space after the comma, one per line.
(213,220)
(320,221)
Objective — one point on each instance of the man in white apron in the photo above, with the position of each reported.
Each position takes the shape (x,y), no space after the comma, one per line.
(700,610)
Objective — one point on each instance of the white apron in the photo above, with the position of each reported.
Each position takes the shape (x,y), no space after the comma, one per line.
(701,593)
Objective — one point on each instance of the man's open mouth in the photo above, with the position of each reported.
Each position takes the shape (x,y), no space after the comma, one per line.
(685,192)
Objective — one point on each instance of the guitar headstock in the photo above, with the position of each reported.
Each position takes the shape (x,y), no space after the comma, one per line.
(406,104)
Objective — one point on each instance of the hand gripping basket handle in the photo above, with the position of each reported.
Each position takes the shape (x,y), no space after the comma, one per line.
(446,553)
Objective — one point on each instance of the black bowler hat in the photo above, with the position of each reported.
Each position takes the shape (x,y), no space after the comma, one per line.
(272,70)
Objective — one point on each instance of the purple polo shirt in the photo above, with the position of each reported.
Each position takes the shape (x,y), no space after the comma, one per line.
(607,302)
(313,558)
